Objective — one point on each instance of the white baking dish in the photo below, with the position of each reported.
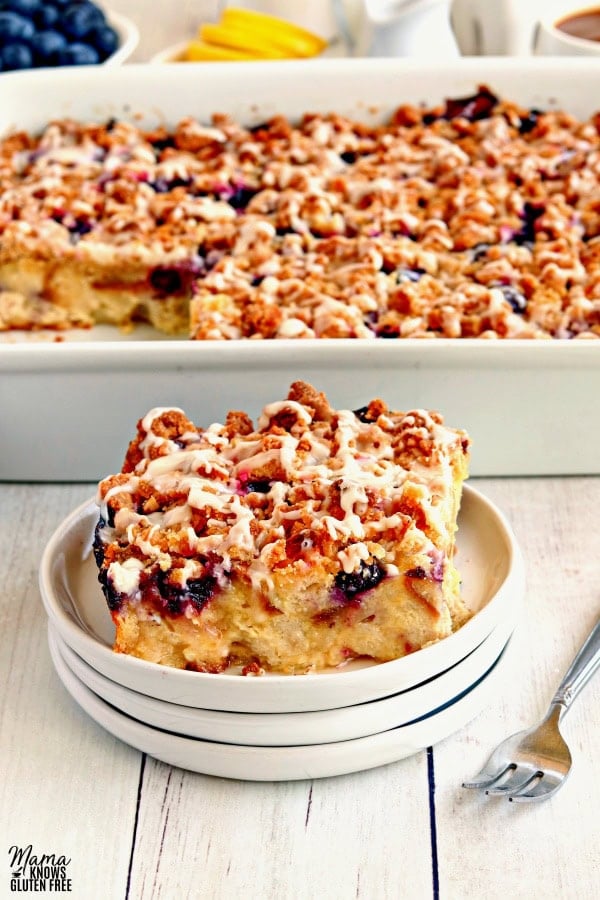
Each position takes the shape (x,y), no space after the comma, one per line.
(68,409)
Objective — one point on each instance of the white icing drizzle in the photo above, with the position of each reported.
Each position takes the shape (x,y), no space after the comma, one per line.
(272,409)
(339,479)
(125,576)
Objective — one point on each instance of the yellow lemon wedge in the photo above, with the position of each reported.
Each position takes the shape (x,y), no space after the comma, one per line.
(243,34)
(292,38)
(253,42)
(200,51)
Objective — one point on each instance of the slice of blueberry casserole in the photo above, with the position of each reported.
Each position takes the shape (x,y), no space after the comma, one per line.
(314,537)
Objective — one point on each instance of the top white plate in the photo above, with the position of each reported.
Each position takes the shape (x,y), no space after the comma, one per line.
(492,574)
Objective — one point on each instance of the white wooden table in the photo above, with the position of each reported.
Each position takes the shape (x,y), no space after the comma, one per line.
(136,828)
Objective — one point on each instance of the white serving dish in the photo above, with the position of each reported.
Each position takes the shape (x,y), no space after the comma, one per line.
(527,404)
(128,34)
(258,763)
(293,729)
(492,576)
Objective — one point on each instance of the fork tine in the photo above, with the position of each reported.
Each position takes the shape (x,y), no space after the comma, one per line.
(546,787)
(518,780)
(485,779)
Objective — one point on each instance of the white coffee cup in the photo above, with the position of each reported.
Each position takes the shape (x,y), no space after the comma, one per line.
(497,27)
(549,40)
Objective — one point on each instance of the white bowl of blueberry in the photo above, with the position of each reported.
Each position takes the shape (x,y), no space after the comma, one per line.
(41,33)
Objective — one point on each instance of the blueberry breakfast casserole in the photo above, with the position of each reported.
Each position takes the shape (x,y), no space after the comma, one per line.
(313,538)
(475,218)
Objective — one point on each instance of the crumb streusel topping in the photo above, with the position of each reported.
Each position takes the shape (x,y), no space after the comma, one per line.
(340,490)
(476,218)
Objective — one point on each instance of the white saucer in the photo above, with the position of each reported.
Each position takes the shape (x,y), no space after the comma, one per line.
(175,53)
(292,729)
(493,580)
(253,763)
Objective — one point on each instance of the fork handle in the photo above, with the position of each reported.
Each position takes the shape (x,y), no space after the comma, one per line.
(580,671)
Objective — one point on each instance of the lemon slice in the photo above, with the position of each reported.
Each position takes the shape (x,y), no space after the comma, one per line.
(298,41)
(253,42)
(200,51)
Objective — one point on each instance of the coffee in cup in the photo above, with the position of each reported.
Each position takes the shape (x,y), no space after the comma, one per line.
(569,31)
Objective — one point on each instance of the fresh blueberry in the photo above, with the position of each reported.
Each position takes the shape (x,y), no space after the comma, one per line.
(79,228)
(200,590)
(241,197)
(529,121)
(113,597)
(166,280)
(479,251)
(98,544)
(47,46)
(25,8)
(371,318)
(176,279)
(362,414)
(45,17)
(162,143)
(259,487)
(110,516)
(80,18)
(164,185)
(478,106)
(531,214)
(104,39)
(365,578)
(16,56)
(14,27)
(403,274)
(512,295)
(78,54)
(197,591)
(389,331)
(160,185)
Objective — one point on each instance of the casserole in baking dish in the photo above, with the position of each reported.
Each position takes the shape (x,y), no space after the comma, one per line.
(526,403)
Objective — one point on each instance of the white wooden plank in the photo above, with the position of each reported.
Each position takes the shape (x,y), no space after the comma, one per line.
(550,850)
(66,786)
(326,839)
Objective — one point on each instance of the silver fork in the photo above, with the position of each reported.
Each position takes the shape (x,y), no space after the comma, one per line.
(534,764)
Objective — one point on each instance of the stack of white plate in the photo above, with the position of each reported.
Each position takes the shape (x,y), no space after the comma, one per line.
(278,727)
